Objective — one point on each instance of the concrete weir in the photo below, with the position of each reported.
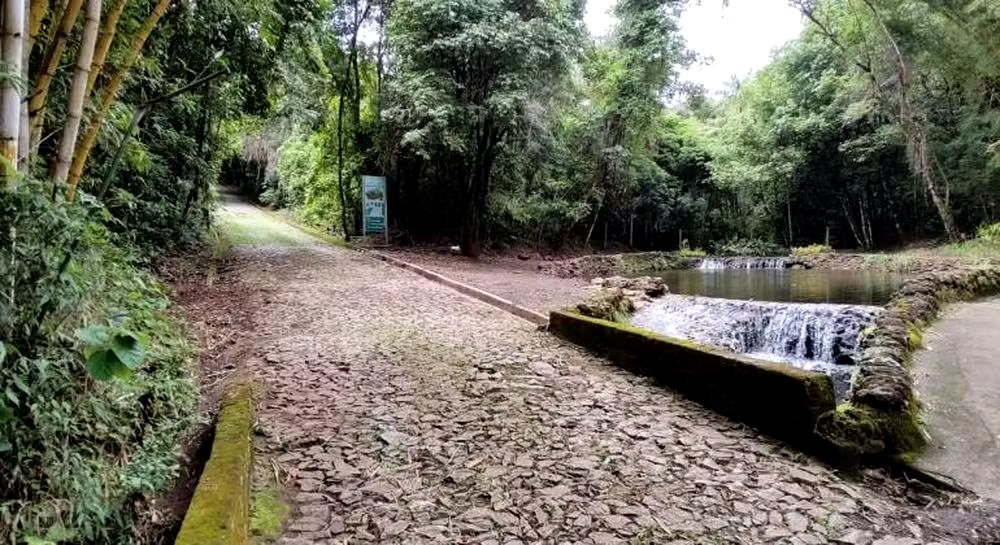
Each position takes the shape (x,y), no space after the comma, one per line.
(726,382)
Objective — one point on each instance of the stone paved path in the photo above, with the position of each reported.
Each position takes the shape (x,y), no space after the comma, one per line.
(395,410)
(958,377)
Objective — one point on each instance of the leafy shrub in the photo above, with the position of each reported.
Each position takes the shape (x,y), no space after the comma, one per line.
(812,249)
(748,247)
(691,252)
(77,454)
(990,232)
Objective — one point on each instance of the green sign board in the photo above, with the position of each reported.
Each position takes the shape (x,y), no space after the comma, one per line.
(374,205)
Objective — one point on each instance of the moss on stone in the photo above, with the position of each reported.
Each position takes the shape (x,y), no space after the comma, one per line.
(852,430)
(914,336)
(268,514)
(220,510)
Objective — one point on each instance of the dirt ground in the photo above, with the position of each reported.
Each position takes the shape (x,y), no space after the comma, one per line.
(395,410)
(515,279)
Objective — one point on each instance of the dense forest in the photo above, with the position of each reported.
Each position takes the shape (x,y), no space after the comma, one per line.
(505,122)
(497,123)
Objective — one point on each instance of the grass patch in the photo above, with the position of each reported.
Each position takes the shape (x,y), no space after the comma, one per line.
(691,252)
(268,514)
(257,229)
(811,250)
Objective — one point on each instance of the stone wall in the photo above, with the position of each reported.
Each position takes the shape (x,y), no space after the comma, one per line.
(882,416)
(775,398)
(592,266)
(900,263)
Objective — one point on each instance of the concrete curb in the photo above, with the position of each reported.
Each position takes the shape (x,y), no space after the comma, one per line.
(219,513)
(476,293)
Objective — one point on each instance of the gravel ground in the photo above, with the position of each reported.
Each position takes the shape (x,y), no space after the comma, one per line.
(395,410)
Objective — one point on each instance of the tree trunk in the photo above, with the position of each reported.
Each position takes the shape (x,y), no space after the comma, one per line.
(914,126)
(77,92)
(788,210)
(10,94)
(340,163)
(40,93)
(110,94)
(104,40)
(478,190)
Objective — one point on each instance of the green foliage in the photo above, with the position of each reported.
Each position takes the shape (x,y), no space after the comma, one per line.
(989,232)
(268,515)
(111,352)
(811,250)
(80,452)
(748,247)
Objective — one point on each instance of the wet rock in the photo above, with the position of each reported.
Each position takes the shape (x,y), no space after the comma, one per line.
(612,305)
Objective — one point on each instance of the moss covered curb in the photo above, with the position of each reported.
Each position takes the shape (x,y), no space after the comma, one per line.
(775,398)
(219,513)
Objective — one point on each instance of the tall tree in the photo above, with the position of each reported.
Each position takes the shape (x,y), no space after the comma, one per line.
(466,70)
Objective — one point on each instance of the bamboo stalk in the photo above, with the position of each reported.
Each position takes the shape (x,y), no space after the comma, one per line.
(104,40)
(23,132)
(74,111)
(40,96)
(37,12)
(10,93)
(110,94)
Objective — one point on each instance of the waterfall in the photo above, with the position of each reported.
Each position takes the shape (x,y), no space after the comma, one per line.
(715,263)
(819,337)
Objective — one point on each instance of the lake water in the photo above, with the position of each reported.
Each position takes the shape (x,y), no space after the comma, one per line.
(785,285)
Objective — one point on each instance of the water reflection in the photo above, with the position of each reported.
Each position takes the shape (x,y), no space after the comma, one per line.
(785,285)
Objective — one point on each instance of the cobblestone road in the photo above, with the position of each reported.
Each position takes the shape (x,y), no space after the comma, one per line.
(395,410)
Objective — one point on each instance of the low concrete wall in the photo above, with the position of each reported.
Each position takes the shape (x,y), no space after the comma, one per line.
(476,293)
(775,398)
(219,513)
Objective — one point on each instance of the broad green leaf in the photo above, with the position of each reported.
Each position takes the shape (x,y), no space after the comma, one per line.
(94,335)
(129,350)
(21,385)
(105,365)
(5,444)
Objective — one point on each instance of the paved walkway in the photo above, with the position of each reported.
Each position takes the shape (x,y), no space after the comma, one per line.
(398,411)
(958,377)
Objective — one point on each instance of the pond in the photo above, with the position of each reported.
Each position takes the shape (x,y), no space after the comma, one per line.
(784,285)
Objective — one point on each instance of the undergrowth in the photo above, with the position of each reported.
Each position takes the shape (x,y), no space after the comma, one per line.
(811,250)
(88,432)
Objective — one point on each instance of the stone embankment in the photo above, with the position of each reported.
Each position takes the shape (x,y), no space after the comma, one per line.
(592,266)
(883,416)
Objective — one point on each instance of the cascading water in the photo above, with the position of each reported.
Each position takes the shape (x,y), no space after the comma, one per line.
(716,263)
(819,337)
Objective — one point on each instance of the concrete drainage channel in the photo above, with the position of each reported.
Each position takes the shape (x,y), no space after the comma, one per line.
(219,513)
